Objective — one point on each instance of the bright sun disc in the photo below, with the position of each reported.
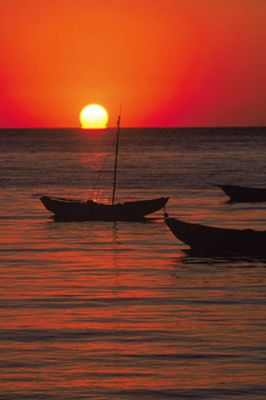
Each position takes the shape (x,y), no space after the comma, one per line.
(94,116)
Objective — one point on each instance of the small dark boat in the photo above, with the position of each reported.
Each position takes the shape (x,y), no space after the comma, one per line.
(207,240)
(244,194)
(65,209)
(76,210)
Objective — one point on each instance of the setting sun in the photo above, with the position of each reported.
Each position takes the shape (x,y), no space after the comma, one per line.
(94,116)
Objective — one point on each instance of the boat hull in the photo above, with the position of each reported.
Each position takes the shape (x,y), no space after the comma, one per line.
(207,240)
(244,194)
(75,210)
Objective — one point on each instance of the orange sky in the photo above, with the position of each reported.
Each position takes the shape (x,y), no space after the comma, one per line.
(168,62)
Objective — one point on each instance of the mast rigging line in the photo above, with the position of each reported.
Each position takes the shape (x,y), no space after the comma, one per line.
(116,157)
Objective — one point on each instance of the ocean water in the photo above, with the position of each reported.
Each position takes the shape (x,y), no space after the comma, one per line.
(103,310)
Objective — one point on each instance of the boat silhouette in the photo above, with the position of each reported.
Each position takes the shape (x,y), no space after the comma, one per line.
(244,194)
(65,209)
(216,241)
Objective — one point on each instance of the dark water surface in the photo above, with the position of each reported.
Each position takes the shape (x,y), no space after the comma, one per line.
(102,310)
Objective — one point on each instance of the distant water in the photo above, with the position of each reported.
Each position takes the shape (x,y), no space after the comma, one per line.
(102,310)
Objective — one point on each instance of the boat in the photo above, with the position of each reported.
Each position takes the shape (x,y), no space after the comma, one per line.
(76,210)
(214,241)
(244,194)
(65,209)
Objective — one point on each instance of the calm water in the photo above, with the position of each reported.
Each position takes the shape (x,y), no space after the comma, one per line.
(101,310)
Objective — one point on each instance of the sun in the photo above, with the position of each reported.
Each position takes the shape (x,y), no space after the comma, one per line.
(93,116)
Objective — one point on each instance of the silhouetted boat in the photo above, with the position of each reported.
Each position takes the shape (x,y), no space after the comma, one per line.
(244,194)
(207,240)
(76,210)
(65,209)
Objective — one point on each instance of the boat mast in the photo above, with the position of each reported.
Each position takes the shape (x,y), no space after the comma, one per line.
(116,157)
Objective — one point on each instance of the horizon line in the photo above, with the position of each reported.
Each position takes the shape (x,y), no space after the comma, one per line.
(136,127)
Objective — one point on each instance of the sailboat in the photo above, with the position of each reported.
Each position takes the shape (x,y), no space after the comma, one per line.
(65,209)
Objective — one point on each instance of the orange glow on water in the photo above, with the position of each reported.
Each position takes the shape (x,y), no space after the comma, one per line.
(112,307)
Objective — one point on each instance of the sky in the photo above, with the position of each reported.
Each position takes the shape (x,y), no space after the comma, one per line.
(166,62)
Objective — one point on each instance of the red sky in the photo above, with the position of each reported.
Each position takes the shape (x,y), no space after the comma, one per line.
(168,62)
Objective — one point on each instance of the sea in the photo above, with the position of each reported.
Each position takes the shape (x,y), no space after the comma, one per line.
(118,310)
